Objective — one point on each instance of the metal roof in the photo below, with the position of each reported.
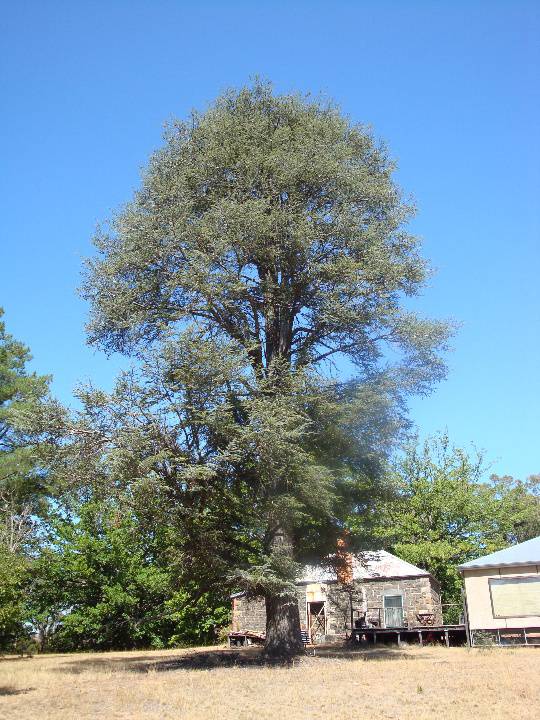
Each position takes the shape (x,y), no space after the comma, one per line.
(526,553)
(366,566)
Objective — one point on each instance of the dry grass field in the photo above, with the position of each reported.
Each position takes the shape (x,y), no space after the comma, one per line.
(406,683)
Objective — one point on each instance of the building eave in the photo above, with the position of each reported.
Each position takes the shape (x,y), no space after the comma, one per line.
(384,578)
(492,566)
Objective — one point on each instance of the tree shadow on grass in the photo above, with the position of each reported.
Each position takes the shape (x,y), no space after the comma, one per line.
(6,690)
(252,657)
(188,660)
(369,652)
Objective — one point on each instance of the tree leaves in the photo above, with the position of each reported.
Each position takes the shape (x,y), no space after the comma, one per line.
(273,221)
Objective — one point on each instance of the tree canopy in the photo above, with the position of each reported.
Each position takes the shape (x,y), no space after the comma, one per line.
(272,222)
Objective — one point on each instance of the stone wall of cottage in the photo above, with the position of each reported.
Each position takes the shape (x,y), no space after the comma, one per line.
(251,614)
(248,614)
(420,595)
(302,604)
(338,606)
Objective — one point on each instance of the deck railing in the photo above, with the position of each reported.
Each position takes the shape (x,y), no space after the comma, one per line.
(452,614)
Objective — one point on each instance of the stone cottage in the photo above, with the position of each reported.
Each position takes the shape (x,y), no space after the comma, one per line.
(376,589)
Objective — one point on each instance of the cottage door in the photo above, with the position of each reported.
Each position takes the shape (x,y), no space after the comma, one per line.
(393,611)
(317,621)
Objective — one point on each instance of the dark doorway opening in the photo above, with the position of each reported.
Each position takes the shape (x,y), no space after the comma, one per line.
(317,621)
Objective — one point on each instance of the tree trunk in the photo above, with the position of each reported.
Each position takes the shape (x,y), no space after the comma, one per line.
(283,637)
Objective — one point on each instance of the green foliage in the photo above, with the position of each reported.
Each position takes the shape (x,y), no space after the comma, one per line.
(101,584)
(267,241)
(224,464)
(12,582)
(20,395)
(198,616)
(86,570)
(274,223)
(520,503)
(22,483)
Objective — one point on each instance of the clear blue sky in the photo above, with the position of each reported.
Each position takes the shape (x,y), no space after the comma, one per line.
(453,88)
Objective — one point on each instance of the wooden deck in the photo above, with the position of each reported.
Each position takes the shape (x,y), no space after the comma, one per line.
(429,634)
(246,637)
(447,634)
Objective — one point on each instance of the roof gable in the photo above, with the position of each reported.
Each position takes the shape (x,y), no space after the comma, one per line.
(381,564)
(369,565)
(526,553)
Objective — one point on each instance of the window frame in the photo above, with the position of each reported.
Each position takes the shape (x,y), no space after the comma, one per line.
(511,579)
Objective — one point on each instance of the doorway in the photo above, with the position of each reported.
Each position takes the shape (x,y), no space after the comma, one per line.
(317,621)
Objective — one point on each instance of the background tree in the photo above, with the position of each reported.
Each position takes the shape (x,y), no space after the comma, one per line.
(21,393)
(520,503)
(100,585)
(23,487)
(12,584)
(267,242)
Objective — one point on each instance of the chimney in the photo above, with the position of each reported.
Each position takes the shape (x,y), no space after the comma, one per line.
(344,563)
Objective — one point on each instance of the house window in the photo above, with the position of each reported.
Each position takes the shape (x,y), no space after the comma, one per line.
(515,596)
(393,611)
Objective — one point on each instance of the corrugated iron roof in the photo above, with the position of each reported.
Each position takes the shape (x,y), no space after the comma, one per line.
(526,553)
(366,566)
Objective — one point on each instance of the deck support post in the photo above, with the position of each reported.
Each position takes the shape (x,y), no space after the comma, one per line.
(402,635)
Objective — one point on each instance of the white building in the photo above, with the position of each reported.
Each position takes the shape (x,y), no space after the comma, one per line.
(502,593)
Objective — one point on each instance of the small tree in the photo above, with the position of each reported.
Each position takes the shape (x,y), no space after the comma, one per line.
(267,242)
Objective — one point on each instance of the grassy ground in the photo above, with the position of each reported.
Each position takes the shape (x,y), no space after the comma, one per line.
(407,683)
